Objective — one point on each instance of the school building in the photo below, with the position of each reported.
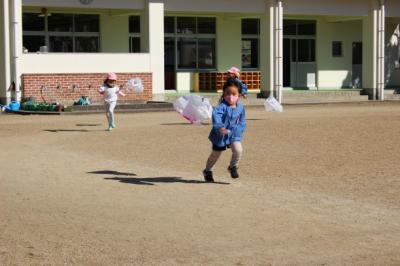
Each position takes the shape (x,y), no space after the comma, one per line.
(58,50)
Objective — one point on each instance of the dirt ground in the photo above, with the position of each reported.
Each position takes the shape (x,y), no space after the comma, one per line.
(319,185)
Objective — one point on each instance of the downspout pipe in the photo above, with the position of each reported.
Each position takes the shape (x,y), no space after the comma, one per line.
(7,61)
(16,45)
(381,51)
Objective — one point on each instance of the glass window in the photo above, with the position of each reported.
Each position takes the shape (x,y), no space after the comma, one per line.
(303,50)
(289,27)
(134,45)
(312,50)
(87,23)
(32,22)
(86,44)
(250,53)
(62,44)
(306,27)
(33,43)
(250,26)
(206,53)
(186,25)
(294,50)
(169,24)
(357,53)
(60,22)
(250,43)
(186,53)
(337,49)
(206,25)
(134,24)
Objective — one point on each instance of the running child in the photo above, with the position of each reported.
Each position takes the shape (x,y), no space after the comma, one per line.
(110,92)
(229,123)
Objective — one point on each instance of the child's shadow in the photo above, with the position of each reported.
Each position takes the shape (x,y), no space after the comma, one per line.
(151,181)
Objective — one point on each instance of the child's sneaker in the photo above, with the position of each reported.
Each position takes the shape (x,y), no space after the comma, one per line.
(234,172)
(113,125)
(110,128)
(208,176)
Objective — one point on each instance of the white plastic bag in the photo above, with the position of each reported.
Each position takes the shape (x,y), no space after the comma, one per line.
(135,85)
(194,108)
(272,105)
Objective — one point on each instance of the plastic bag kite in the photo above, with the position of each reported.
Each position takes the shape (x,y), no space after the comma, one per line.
(194,108)
(272,105)
(135,85)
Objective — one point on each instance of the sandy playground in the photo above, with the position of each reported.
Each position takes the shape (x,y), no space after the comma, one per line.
(319,185)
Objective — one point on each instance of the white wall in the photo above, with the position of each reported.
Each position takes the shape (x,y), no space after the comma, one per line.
(115,4)
(392,8)
(336,72)
(229,45)
(84,63)
(304,7)
(326,7)
(114,32)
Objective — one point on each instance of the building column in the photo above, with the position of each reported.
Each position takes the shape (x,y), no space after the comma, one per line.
(16,46)
(272,50)
(5,76)
(373,50)
(267,50)
(279,49)
(153,42)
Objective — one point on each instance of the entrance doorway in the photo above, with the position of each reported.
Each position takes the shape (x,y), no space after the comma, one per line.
(299,69)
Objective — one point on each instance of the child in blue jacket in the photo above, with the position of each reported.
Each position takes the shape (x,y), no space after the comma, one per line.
(234,73)
(229,123)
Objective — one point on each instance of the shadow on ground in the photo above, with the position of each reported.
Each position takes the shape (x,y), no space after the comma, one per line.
(151,181)
(71,130)
(88,125)
(111,172)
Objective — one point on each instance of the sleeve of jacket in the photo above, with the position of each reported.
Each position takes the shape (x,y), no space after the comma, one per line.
(243,88)
(217,117)
(242,121)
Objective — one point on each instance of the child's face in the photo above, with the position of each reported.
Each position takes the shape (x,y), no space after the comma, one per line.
(231,95)
(111,83)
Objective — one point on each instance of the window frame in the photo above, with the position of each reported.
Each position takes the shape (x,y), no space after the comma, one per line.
(47,34)
(333,49)
(133,35)
(251,37)
(193,36)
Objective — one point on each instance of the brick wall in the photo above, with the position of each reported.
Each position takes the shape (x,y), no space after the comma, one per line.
(60,87)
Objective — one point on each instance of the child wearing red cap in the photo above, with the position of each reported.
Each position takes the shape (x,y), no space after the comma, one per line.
(110,92)
(234,73)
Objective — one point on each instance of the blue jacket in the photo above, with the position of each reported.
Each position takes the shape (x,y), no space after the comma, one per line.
(233,119)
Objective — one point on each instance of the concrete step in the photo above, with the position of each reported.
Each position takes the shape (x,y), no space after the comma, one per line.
(293,97)
(392,97)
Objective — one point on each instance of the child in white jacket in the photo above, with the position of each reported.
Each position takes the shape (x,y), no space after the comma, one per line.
(110,92)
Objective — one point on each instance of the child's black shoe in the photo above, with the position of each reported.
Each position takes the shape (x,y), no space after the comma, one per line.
(234,172)
(208,176)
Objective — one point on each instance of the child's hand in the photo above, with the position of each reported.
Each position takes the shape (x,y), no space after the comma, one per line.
(223,131)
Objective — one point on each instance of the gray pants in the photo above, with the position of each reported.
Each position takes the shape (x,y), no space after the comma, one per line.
(237,151)
(110,106)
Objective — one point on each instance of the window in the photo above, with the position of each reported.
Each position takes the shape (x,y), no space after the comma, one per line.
(303,50)
(337,50)
(299,27)
(193,39)
(250,43)
(64,33)
(134,34)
